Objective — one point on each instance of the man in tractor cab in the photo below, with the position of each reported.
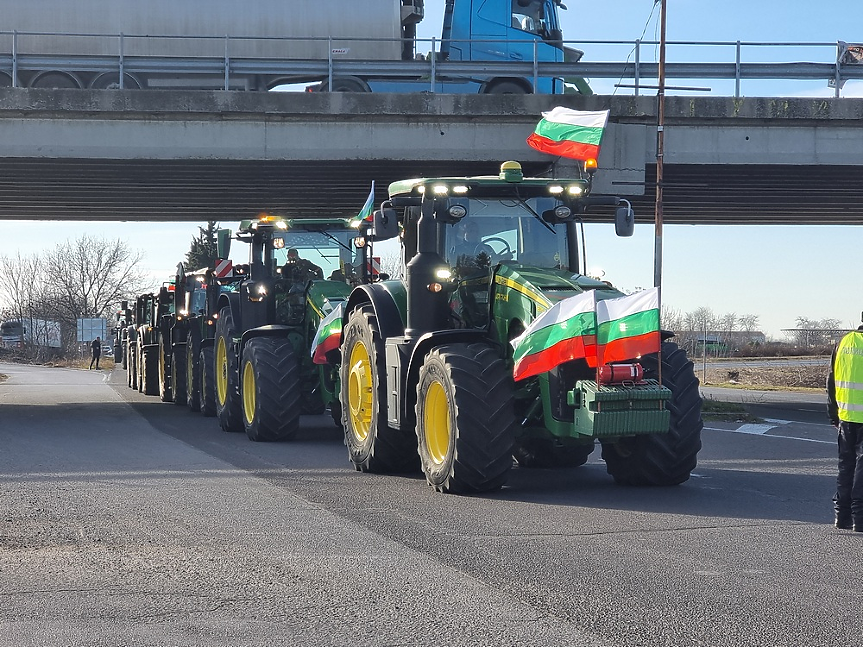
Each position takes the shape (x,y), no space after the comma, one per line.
(469,249)
(299,269)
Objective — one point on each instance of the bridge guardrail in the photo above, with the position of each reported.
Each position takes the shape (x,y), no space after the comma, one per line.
(835,71)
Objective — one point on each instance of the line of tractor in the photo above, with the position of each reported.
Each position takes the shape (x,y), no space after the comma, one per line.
(417,369)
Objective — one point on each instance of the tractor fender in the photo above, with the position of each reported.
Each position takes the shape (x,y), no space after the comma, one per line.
(231,300)
(271,330)
(382,300)
(432,340)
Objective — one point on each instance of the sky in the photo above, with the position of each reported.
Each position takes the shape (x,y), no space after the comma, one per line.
(775,272)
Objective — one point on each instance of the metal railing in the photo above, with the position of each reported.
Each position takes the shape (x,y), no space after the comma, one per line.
(239,57)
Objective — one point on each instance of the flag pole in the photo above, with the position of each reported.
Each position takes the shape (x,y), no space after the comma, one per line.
(660,151)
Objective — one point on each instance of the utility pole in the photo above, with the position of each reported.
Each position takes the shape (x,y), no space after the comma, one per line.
(660,150)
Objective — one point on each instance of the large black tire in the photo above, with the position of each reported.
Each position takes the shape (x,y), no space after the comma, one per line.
(150,370)
(228,405)
(166,393)
(132,365)
(207,362)
(178,375)
(193,369)
(662,459)
(373,446)
(466,420)
(544,453)
(270,389)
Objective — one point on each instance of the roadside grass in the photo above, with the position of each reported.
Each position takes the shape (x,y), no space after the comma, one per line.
(725,411)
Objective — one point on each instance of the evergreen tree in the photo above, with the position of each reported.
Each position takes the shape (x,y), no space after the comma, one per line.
(203,251)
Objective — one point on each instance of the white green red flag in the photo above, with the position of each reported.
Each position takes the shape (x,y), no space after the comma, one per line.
(367,208)
(564,332)
(570,133)
(329,335)
(627,327)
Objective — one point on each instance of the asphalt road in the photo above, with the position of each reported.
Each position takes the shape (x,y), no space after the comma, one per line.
(126,521)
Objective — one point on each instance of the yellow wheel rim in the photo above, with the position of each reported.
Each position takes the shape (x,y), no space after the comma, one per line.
(222,371)
(248,392)
(436,423)
(360,392)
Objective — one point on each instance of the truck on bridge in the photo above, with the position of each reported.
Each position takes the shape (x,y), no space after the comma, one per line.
(221,44)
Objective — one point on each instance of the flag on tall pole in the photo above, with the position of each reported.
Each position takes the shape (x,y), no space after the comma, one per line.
(368,207)
(564,332)
(627,327)
(570,133)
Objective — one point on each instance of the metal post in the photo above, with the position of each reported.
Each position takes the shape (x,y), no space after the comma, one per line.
(637,64)
(433,73)
(14,58)
(227,65)
(660,151)
(737,73)
(122,63)
(838,73)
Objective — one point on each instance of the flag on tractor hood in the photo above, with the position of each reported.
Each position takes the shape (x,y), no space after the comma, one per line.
(570,133)
(627,327)
(601,332)
(329,335)
(368,208)
(564,332)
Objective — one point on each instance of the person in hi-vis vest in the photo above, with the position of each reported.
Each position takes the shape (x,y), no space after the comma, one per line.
(845,410)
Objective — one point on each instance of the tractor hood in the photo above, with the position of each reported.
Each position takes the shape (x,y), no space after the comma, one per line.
(547,286)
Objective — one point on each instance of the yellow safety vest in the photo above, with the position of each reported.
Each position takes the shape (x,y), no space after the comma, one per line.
(848,376)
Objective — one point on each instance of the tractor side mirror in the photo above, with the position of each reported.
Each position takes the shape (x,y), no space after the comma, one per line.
(223,243)
(386,224)
(624,219)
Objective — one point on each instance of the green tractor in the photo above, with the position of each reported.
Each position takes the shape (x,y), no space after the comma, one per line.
(298,272)
(426,363)
(147,344)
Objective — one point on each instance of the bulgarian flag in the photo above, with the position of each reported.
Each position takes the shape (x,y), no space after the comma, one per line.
(329,335)
(570,133)
(627,327)
(562,333)
(367,208)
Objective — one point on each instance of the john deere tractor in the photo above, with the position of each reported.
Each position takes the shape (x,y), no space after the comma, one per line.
(148,343)
(298,272)
(426,364)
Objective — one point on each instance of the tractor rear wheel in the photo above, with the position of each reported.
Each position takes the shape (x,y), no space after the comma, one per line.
(166,393)
(150,371)
(132,366)
(662,459)
(373,446)
(270,388)
(544,453)
(228,406)
(193,369)
(178,375)
(465,447)
(207,363)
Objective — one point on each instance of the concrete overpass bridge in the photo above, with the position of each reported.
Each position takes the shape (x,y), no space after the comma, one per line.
(201,155)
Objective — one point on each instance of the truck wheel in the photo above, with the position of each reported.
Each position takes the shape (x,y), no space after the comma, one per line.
(165,391)
(150,370)
(544,453)
(228,406)
(662,459)
(178,375)
(207,363)
(271,399)
(373,446)
(464,447)
(193,370)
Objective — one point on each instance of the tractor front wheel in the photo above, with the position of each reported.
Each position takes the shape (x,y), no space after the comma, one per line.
(207,363)
(465,447)
(178,375)
(165,355)
(669,458)
(228,405)
(193,369)
(271,397)
(373,446)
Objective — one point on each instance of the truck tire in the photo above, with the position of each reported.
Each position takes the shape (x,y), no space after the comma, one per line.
(207,363)
(165,391)
(271,397)
(662,459)
(464,447)
(150,370)
(178,375)
(540,453)
(193,369)
(373,446)
(228,406)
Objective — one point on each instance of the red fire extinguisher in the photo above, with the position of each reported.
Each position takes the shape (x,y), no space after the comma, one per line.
(618,373)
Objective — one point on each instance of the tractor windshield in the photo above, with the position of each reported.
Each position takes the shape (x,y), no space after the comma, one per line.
(507,231)
(331,251)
